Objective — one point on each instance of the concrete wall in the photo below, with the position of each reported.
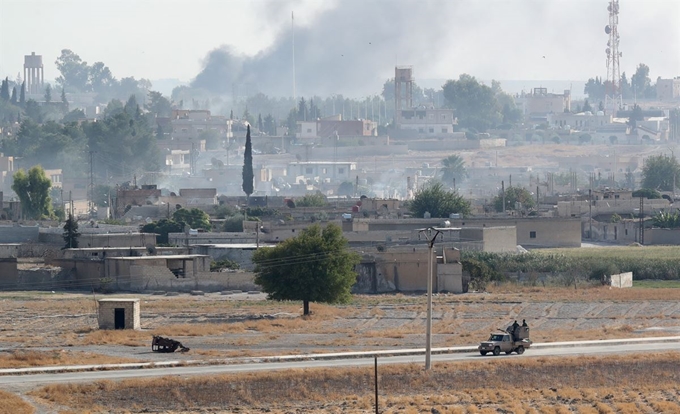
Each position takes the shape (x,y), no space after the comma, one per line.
(625,206)
(662,236)
(450,278)
(622,280)
(103,240)
(106,315)
(8,273)
(19,234)
(10,250)
(181,239)
(241,255)
(493,239)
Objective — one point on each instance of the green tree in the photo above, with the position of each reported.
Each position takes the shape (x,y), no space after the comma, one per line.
(101,81)
(158,104)
(73,116)
(260,123)
(515,198)
(640,81)
(48,93)
(587,107)
(666,220)
(195,218)
(162,228)
(453,168)
(346,188)
(33,190)
(302,112)
(480,273)
(595,89)
(64,101)
(248,175)
(635,115)
(74,72)
(660,172)
(433,198)
(71,233)
(34,111)
(311,200)
(22,94)
(4,90)
(315,266)
(475,104)
(269,125)
(13,98)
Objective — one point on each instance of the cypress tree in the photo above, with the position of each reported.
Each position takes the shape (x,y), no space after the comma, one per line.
(22,94)
(248,174)
(13,99)
(4,90)
(63,99)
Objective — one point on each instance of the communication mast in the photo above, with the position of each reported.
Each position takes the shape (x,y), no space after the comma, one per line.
(613,98)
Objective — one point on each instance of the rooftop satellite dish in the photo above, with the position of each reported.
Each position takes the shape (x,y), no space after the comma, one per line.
(607,29)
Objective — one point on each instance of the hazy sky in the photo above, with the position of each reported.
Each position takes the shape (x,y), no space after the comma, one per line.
(518,39)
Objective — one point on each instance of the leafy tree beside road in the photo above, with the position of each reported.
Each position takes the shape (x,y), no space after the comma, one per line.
(433,198)
(33,190)
(315,266)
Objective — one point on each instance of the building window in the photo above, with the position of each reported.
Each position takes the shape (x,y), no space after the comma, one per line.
(616,196)
(309,170)
(431,116)
(431,130)
(626,232)
(309,130)
(421,130)
(184,130)
(324,170)
(532,234)
(199,129)
(443,117)
(341,170)
(445,130)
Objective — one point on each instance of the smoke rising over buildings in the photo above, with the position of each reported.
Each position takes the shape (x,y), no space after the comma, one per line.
(349,49)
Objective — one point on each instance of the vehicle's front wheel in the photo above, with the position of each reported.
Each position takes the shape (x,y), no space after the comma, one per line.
(482,352)
(520,350)
(497,351)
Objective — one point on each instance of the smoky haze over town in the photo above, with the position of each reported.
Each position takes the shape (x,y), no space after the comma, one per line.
(209,179)
(484,91)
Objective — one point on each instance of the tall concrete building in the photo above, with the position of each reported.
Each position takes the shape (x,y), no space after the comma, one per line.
(34,75)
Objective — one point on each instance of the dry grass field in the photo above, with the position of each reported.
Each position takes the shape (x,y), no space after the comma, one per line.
(615,384)
(61,328)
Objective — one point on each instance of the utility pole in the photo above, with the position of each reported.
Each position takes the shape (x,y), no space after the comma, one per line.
(431,235)
(91,198)
(503,192)
(590,213)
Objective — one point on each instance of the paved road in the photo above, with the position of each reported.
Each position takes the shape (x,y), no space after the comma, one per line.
(41,379)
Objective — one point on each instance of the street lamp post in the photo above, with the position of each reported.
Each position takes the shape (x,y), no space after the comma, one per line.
(431,234)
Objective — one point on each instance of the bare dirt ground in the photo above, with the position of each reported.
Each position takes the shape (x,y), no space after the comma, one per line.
(41,328)
(239,325)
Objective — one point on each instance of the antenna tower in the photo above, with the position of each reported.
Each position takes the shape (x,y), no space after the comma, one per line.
(613,98)
(292,28)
